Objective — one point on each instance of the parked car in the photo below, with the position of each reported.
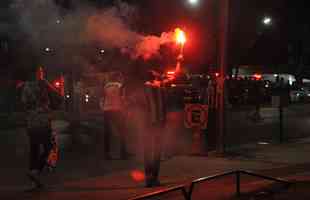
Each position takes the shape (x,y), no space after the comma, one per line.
(299,94)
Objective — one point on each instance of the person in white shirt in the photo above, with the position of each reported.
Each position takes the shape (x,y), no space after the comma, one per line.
(112,104)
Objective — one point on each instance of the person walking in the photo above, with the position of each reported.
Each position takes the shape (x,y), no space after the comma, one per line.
(112,104)
(38,97)
(156,119)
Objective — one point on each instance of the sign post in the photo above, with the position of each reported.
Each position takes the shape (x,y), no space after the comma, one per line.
(281,122)
(196,118)
(279,102)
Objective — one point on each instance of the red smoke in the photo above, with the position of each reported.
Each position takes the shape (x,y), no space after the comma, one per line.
(109,29)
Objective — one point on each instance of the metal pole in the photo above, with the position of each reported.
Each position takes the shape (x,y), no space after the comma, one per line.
(190,192)
(185,195)
(281,122)
(238,193)
(180,59)
(223,35)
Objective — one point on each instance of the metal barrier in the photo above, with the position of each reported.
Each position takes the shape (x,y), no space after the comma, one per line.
(207,178)
(188,196)
(163,191)
(237,173)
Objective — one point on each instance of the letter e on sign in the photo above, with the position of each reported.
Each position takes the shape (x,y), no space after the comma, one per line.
(196,115)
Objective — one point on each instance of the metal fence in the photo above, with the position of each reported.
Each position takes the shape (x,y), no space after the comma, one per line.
(237,183)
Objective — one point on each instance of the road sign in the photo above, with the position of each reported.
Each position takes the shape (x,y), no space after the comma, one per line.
(196,115)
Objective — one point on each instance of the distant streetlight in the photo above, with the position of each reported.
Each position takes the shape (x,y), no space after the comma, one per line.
(267,21)
(193,2)
(47,49)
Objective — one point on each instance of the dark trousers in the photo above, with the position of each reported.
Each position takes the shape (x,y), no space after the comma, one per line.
(40,146)
(152,152)
(114,118)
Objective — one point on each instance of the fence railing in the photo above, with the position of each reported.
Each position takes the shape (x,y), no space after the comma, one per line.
(237,173)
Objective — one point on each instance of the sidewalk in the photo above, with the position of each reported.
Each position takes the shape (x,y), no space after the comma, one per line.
(114,181)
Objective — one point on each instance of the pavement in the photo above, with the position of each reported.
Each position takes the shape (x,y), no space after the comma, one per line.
(82,176)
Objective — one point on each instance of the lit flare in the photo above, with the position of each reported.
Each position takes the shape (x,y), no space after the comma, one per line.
(180,36)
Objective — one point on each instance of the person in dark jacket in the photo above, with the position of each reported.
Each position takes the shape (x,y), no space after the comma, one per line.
(155,97)
(37,97)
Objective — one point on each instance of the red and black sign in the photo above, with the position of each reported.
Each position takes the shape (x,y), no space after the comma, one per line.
(196,115)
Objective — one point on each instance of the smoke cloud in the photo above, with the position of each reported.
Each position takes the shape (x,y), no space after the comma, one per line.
(48,25)
(108,28)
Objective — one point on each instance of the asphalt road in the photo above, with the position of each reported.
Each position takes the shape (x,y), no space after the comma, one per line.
(241,129)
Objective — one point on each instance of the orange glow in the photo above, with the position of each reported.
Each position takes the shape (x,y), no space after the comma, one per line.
(137,175)
(171,75)
(57,83)
(180,36)
(257,76)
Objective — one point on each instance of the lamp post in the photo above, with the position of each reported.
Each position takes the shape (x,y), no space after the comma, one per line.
(221,89)
(224,10)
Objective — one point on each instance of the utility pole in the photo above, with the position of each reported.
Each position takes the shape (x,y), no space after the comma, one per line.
(224,10)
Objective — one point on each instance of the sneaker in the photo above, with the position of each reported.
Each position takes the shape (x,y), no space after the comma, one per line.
(107,157)
(125,156)
(156,183)
(35,188)
(152,183)
(34,176)
(148,184)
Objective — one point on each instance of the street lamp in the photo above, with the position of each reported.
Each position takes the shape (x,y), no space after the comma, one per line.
(193,2)
(267,21)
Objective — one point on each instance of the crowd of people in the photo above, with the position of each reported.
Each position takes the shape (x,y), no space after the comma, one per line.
(39,98)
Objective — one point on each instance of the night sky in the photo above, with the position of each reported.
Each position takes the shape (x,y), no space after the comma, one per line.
(249,41)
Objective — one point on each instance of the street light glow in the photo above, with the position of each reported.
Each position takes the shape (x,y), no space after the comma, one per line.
(267,20)
(193,2)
